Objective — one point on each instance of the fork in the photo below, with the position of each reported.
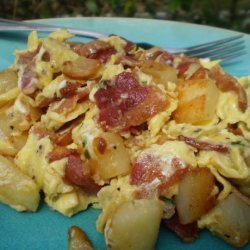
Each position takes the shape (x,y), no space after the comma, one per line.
(224,49)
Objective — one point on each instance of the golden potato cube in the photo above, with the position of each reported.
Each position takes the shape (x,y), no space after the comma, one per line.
(17,189)
(197,101)
(134,225)
(110,157)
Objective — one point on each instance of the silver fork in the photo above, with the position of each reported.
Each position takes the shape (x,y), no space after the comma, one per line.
(224,49)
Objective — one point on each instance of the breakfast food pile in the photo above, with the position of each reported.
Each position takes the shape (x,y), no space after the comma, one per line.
(148,137)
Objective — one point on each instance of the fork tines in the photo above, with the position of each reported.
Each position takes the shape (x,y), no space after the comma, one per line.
(224,49)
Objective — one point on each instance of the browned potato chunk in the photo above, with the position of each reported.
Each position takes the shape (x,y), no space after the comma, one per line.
(161,73)
(17,189)
(134,225)
(230,220)
(110,157)
(194,197)
(197,101)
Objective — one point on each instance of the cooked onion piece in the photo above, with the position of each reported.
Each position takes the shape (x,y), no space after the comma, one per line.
(78,240)
(82,68)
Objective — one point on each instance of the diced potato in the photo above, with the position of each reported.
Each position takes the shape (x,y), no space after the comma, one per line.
(78,240)
(17,189)
(161,73)
(8,80)
(197,101)
(109,158)
(134,225)
(194,196)
(230,220)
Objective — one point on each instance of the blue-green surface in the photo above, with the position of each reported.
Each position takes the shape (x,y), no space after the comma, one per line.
(47,229)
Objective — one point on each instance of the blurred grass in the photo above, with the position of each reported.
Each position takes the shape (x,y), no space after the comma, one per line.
(231,14)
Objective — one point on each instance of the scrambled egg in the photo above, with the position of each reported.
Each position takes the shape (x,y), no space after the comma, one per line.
(73,136)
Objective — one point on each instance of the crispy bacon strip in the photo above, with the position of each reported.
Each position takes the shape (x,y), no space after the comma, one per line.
(129,46)
(204,145)
(185,64)
(129,61)
(225,83)
(167,58)
(69,93)
(187,232)
(123,102)
(59,153)
(41,132)
(77,172)
(64,134)
(46,102)
(233,128)
(65,105)
(70,89)
(150,169)
(28,78)
(96,50)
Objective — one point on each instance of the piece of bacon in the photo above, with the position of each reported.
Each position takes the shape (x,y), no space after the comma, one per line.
(123,102)
(65,105)
(59,153)
(129,61)
(137,130)
(82,95)
(187,232)
(64,134)
(69,92)
(225,83)
(62,137)
(167,58)
(96,50)
(103,55)
(78,173)
(70,89)
(29,77)
(129,46)
(28,80)
(200,73)
(28,56)
(46,56)
(185,64)
(233,128)
(201,145)
(152,174)
(41,132)
(46,102)
(151,56)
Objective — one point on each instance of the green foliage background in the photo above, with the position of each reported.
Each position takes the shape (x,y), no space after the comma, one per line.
(232,14)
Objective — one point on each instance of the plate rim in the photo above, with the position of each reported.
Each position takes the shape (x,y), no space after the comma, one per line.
(196,25)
